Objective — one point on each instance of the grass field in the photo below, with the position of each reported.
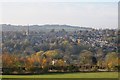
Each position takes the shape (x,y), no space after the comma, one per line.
(68,75)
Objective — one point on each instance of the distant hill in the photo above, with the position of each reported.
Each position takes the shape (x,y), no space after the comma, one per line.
(6,27)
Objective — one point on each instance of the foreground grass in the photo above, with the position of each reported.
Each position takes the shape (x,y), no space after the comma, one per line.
(67,75)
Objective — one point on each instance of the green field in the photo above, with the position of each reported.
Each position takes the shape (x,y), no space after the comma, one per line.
(68,75)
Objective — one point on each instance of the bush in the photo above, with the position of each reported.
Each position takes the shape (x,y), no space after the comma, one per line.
(7,70)
(73,68)
(94,68)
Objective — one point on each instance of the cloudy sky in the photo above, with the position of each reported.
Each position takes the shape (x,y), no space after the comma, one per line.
(79,13)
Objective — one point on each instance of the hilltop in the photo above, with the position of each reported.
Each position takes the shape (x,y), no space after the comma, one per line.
(9,27)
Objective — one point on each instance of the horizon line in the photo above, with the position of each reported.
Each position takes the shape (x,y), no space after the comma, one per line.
(55,24)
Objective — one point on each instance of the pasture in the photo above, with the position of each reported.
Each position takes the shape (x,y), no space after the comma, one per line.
(67,75)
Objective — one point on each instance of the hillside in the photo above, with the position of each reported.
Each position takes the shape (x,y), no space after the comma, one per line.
(6,27)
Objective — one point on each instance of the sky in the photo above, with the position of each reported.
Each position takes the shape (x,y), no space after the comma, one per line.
(83,13)
(59,0)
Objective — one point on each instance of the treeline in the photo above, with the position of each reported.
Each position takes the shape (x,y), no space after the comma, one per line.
(57,61)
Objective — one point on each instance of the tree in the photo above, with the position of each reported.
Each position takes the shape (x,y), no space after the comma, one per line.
(53,30)
(33,61)
(60,62)
(53,54)
(10,60)
(111,60)
(10,63)
(40,53)
(100,58)
(86,57)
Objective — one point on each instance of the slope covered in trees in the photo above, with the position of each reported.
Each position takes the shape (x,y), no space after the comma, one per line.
(59,50)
